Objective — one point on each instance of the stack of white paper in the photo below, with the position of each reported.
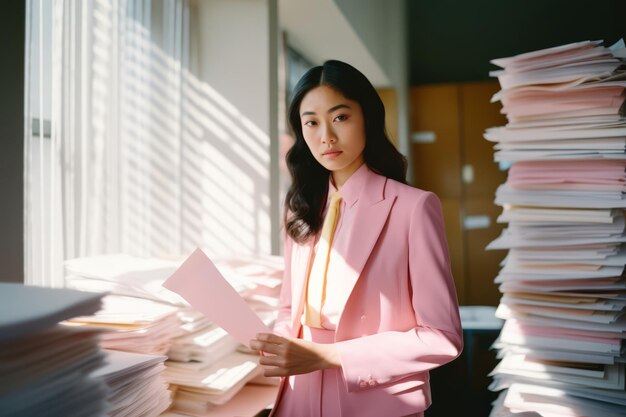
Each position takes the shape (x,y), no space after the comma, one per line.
(246,403)
(122,274)
(136,385)
(206,366)
(209,367)
(563,285)
(203,385)
(262,276)
(135,325)
(562,103)
(208,345)
(45,367)
(565,183)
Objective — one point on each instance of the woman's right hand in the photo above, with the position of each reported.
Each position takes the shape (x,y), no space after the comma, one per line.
(284,356)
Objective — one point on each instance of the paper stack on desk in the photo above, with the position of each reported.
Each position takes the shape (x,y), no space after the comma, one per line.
(136,385)
(135,324)
(209,383)
(45,367)
(563,285)
(123,274)
(206,366)
(246,403)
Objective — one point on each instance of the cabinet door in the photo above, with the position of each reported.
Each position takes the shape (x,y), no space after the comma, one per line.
(451,208)
(452,159)
(481,266)
(435,139)
(480,177)
(480,174)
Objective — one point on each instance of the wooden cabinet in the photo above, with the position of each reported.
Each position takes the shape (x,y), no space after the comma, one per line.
(479,114)
(451,158)
(481,266)
(435,135)
(451,208)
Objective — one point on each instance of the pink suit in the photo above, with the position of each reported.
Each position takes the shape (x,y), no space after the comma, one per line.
(400,318)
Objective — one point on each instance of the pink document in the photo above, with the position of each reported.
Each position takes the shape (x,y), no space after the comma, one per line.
(199,282)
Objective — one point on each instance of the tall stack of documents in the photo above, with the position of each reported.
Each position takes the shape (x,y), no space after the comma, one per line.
(562,282)
(45,367)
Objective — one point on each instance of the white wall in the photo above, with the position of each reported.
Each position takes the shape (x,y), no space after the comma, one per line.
(236,131)
(370,20)
(382,27)
(320,30)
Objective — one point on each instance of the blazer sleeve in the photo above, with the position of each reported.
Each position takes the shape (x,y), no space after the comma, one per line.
(282,326)
(386,357)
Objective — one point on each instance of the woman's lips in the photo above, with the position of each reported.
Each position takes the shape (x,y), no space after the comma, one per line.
(331,154)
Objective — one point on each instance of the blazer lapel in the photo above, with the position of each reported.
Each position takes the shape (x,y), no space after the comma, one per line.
(370,218)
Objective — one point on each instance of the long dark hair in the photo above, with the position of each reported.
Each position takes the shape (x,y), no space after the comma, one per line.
(306,197)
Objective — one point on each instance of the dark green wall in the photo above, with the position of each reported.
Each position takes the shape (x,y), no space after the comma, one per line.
(12,23)
(453,41)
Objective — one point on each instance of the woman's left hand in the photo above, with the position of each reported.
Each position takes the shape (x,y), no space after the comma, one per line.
(284,356)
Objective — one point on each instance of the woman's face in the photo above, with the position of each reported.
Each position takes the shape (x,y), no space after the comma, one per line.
(334,130)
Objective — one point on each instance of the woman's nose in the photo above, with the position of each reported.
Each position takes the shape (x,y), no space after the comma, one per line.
(328,136)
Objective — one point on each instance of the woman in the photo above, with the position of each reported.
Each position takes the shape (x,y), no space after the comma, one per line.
(368,304)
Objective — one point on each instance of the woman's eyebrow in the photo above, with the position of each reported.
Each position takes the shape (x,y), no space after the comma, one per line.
(332,109)
(337,107)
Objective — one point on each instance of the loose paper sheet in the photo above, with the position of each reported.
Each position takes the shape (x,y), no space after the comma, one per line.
(200,283)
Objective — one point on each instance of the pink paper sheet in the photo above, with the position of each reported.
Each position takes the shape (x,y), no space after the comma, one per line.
(199,282)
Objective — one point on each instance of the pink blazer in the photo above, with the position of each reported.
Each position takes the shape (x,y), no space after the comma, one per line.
(401,317)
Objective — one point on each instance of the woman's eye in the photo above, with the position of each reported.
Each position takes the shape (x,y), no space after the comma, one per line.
(310,123)
(341,118)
